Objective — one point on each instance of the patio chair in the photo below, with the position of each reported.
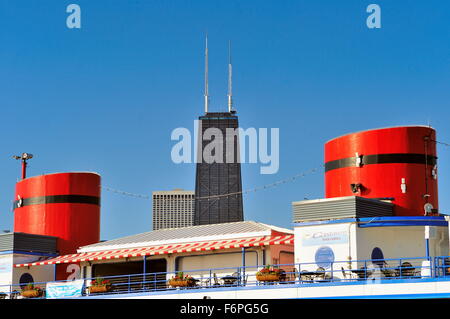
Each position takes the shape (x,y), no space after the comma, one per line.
(292,275)
(289,276)
(446,267)
(362,273)
(205,282)
(244,282)
(348,274)
(344,274)
(306,276)
(320,273)
(406,270)
(388,273)
(216,280)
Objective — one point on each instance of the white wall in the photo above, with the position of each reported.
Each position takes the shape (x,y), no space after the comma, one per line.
(10,275)
(397,242)
(88,265)
(439,242)
(347,239)
(311,241)
(6,269)
(40,273)
(231,258)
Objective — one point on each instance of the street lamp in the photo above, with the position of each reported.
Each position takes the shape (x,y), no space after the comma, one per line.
(24,158)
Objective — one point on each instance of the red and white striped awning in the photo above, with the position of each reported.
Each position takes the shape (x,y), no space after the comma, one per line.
(166,249)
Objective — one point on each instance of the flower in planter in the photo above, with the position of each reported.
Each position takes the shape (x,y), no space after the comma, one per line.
(31,286)
(100,285)
(31,291)
(100,282)
(180,276)
(269,273)
(270,270)
(182,280)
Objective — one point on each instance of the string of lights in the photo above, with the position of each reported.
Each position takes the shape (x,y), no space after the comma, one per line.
(124,193)
(442,143)
(267,186)
(244,192)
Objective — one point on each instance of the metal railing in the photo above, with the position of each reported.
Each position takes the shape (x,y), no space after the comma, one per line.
(442,266)
(353,271)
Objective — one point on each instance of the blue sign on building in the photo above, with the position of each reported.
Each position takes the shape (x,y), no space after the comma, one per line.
(64,289)
(324,257)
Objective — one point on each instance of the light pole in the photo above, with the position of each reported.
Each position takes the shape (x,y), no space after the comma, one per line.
(24,157)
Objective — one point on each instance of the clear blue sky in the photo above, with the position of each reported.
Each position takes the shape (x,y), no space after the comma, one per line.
(106,97)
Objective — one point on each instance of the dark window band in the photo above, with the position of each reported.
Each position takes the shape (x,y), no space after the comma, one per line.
(382,159)
(57,199)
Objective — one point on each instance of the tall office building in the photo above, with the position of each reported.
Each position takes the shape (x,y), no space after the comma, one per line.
(173,209)
(218,186)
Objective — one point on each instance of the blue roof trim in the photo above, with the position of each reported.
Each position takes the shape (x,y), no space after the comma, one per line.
(403,221)
(326,222)
(384,221)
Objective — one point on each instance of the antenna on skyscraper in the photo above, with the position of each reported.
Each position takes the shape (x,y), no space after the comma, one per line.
(230,76)
(206,76)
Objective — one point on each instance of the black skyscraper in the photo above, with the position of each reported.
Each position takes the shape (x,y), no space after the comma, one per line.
(218,185)
(219,178)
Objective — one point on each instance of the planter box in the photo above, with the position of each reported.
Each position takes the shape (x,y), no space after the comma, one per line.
(268,277)
(99,289)
(181,283)
(32,293)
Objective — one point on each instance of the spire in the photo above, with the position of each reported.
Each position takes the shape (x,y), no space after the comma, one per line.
(206,76)
(230,82)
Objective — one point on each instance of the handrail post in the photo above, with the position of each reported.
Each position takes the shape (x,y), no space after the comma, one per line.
(365,269)
(331,270)
(432,267)
(243,266)
(145,271)
(400,267)
(435,265)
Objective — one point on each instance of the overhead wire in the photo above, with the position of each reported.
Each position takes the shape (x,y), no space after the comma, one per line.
(442,143)
(244,192)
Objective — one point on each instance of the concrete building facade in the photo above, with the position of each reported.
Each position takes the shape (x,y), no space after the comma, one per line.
(173,209)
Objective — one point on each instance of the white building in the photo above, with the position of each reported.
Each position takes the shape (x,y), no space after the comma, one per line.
(342,235)
(23,248)
(201,251)
(173,209)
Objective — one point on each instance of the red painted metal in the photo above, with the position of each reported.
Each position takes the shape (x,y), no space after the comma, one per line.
(384,180)
(75,224)
(24,169)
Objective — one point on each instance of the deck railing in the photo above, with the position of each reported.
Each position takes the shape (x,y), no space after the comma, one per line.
(354,271)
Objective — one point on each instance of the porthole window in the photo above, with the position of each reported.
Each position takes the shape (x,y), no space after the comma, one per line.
(377,257)
(25,279)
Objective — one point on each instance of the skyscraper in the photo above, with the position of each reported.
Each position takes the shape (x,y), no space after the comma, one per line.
(173,209)
(218,186)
